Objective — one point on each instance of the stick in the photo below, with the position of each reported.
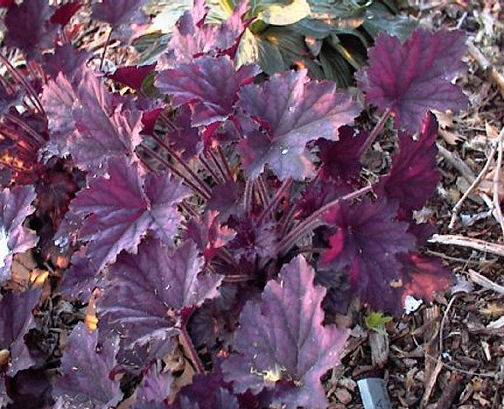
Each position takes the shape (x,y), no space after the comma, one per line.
(485,282)
(462,241)
(476,181)
(486,65)
(497,182)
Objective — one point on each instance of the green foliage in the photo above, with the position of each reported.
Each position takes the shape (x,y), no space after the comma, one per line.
(376,322)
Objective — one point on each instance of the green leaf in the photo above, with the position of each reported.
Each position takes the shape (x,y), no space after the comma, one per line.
(376,322)
(282,13)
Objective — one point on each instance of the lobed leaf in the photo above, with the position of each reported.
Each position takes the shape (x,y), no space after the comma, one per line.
(144,287)
(293,111)
(414,77)
(413,176)
(281,339)
(123,207)
(365,244)
(211,83)
(16,319)
(86,369)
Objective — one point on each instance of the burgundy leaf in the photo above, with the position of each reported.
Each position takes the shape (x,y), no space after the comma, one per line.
(185,139)
(86,369)
(28,26)
(281,338)
(149,119)
(66,59)
(413,176)
(80,279)
(119,12)
(104,130)
(123,208)
(6,3)
(211,83)
(132,76)
(16,319)
(341,159)
(65,12)
(15,207)
(144,287)
(155,387)
(414,77)
(365,245)
(424,275)
(208,234)
(294,111)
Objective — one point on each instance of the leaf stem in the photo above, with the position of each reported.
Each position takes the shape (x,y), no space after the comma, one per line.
(175,171)
(314,220)
(226,163)
(188,345)
(27,128)
(286,185)
(32,95)
(107,41)
(218,165)
(209,169)
(182,163)
(376,130)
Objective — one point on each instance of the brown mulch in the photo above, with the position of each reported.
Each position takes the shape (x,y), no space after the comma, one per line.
(449,354)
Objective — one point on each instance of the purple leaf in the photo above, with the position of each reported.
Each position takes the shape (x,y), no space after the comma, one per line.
(28,26)
(132,76)
(341,159)
(365,244)
(123,207)
(66,59)
(4,399)
(86,369)
(192,37)
(80,279)
(144,287)
(104,130)
(294,111)
(119,12)
(65,12)
(185,139)
(208,234)
(15,207)
(155,387)
(58,99)
(414,77)
(413,176)
(16,319)
(211,83)
(281,338)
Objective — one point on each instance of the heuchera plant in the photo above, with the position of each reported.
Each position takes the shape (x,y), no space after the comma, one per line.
(211,211)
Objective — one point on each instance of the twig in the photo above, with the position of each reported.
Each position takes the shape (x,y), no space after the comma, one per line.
(486,65)
(431,383)
(485,282)
(476,181)
(497,182)
(376,130)
(457,163)
(443,320)
(462,241)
